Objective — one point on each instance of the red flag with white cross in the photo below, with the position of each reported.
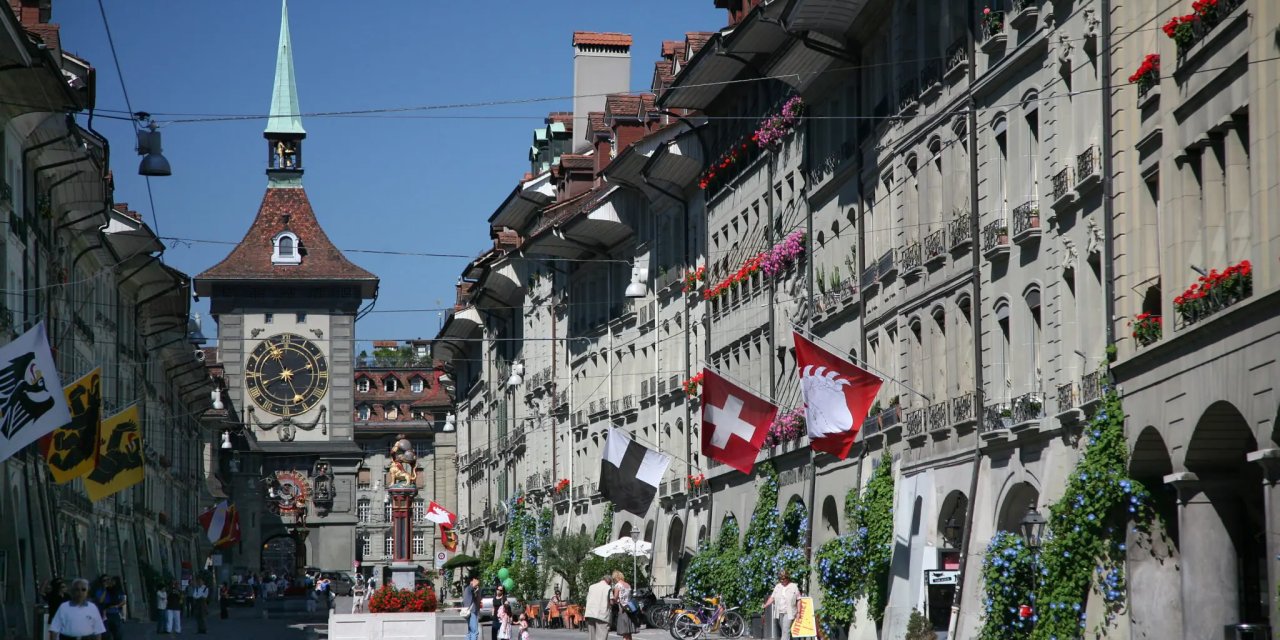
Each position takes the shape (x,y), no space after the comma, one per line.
(734,422)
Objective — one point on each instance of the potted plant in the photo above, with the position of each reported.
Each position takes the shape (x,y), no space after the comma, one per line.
(1148,74)
(1147,328)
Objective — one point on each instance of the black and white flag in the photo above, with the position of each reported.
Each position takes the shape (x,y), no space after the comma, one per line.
(630,472)
(31,400)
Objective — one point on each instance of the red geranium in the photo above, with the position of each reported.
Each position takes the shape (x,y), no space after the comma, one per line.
(389,599)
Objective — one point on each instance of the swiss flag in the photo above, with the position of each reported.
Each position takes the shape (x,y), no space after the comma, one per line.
(734,422)
(837,395)
(441,516)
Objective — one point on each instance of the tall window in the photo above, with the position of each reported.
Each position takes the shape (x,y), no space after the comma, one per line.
(419,511)
(386,512)
(1005,379)
(421,448)
(363,508)
(419,543)
(1034,349)
(366,545)
(416,385)
(391,384)
(388,545)
(362,385)
(362,412)
(1000,198)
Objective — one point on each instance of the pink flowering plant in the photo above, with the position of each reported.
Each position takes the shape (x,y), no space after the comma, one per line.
(776,127)
(788,426)
(783,254)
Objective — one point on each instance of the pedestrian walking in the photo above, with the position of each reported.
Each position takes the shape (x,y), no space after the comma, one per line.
(471,604)
(55,593)
(77,618)
(173,619)
(110,600)
(784,598)
(312,595)
(224,601)
(358,594)
(162,609)
(499,602)
(199,604)
(597,611)
(625,624)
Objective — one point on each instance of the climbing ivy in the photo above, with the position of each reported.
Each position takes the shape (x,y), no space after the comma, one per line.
(766,552)
(605,528)
(856,564)
(1008,571)
(795,526)
(714,568)
(1084,548)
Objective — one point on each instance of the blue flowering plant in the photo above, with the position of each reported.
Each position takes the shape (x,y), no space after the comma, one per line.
(1008,573)
(856,564)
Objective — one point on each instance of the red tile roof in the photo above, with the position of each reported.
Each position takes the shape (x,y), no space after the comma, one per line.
(602,39)
(596,123)
(662,72)
(577,161)
(563,117)
(251,259)
(695,40)
(621,105)
(669,47)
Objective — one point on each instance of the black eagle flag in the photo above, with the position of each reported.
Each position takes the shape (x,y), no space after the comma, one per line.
(31,402)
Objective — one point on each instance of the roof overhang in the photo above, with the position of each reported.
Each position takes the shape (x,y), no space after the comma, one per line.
(678,161)
(519,209)
(29,70)
(831,18)
(588,228)
(504,281)
(128,237)
(801,64)
(726,55)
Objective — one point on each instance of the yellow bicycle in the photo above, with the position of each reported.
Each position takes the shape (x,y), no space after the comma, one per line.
(709,617)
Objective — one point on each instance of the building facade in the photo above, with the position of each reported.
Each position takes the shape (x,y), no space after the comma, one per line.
(286,301)
(89,269)
(398,392)
(985,204)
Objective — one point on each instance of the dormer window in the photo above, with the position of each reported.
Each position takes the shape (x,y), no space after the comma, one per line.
(362,385)
(390,385)
(391,412)
(416,385)
(285,249)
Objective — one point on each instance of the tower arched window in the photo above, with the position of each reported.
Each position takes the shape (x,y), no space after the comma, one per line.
(285,249)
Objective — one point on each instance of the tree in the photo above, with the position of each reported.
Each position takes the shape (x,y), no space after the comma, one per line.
(919,628)
(564,556)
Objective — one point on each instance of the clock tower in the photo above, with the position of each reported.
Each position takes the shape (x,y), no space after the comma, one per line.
(286,301)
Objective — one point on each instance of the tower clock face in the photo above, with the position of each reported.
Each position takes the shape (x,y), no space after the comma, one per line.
(286,375)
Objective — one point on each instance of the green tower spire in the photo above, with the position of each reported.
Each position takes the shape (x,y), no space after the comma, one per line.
(286,115)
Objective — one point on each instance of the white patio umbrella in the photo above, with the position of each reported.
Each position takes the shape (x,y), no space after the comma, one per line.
(628,546)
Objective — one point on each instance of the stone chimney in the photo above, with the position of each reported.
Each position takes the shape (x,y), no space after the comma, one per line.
(601,65)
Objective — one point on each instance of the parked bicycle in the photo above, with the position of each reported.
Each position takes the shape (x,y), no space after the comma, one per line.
(707,617)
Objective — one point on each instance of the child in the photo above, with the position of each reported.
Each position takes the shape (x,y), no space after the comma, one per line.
(524,626)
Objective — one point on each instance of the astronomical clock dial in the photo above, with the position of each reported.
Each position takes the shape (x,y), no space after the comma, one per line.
(286,375)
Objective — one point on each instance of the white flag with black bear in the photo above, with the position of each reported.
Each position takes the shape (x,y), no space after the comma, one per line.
(31,399)
(630,472)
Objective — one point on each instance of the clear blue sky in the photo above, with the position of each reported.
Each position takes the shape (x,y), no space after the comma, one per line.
(390,183)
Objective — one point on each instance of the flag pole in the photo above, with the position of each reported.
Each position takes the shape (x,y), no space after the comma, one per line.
(858,362)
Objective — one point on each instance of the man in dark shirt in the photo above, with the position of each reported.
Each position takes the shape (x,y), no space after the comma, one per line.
(471,604)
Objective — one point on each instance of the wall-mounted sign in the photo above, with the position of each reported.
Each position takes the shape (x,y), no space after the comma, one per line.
(942,577)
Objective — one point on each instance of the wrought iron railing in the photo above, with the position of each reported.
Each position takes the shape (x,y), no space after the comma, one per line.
(935,245)
(995,235)
(869,276)
(960,229)
(1028,407)
(1026,218)
(962,407)
(1066,396)
(1087,163)
(908,92)
(912,258)
(992,25)
(1205,24)
(995,417)
(1091,387)
(957,54)
(887,265)
(931,75)
(914,422)
(936,415)
(1061,183)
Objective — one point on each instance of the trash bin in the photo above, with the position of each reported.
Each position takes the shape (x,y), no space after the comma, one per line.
(1250,631)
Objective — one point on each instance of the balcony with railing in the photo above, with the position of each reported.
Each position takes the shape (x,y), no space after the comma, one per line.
(1088,169)
(995,240)
(935,247)
(1200,28)
(915,423)
(957,56)
(1026,222)
(1091,388)
(962,409)
(887,265)
(960,229)
(870,276)
(996,418)
(991,32)
(908,95)
(1025,13)
(912,261)
(1027,410)
(1066,396)
(937,416)
(1062,193)
(931,79)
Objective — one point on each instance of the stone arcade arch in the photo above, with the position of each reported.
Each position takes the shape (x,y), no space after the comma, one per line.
(831,515)
(1013,508)
(1222,526)
(1156,562)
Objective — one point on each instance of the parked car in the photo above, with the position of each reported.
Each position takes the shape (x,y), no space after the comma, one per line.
(486,603)
(339,581)
(242,595)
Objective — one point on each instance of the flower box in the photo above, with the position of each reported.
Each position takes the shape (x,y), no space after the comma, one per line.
(1214,292)
(1147,328)
(1147,76)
